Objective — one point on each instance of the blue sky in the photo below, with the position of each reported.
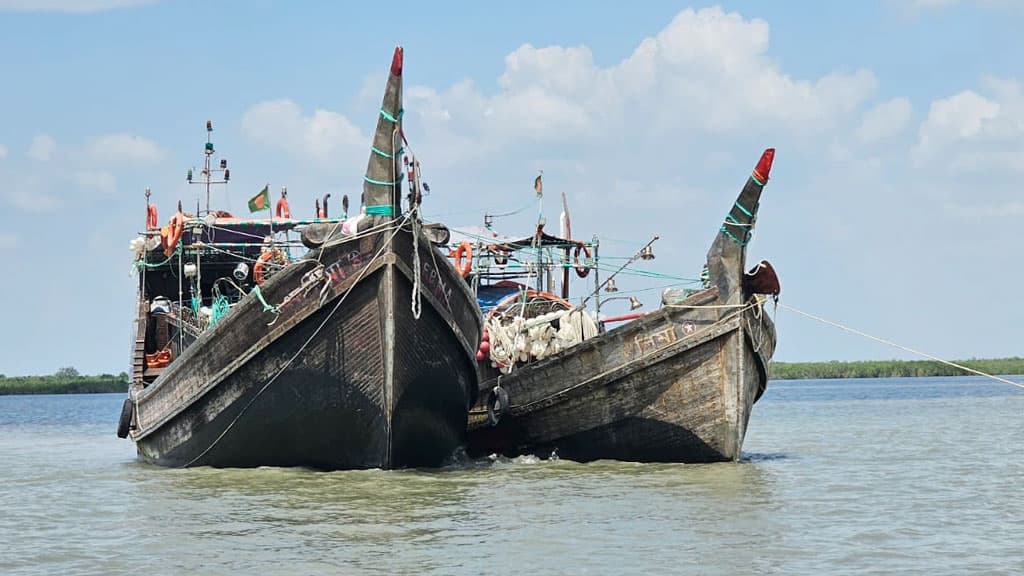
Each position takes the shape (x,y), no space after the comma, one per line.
(894,205)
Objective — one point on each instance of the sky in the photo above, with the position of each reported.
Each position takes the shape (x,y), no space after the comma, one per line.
(894,206)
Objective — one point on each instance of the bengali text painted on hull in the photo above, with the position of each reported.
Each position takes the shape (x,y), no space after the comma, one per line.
(675,386)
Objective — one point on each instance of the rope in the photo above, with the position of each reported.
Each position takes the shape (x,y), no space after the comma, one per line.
(894,345)
(297,353)
(220,309)
(259,296)
(144,264)
(381,210)
(417,305)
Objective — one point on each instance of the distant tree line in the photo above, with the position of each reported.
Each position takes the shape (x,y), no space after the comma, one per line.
(65,381)
(891,368)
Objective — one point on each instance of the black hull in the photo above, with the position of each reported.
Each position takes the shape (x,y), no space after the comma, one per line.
(675,386)
(342,384)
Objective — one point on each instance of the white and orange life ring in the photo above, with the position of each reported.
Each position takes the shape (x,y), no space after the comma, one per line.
(581,270)
(152,223)
(260,270)
(172,233)
(282,210)
(463,257)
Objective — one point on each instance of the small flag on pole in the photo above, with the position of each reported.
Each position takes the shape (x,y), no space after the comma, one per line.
(260,201)
(538,186)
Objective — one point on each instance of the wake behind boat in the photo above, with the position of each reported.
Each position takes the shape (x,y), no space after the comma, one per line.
(358,354)
(674,385)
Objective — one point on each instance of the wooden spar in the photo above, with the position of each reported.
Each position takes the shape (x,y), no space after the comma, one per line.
(381,186)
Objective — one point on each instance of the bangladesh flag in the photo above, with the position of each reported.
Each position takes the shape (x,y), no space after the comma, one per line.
(260,201)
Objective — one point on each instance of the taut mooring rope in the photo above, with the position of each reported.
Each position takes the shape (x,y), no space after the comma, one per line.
(895,345)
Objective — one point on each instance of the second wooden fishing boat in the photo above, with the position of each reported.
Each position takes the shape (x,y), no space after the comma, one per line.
(674,385)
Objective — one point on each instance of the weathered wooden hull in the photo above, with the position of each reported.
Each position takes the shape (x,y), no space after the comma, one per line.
(674,386)
(342,376)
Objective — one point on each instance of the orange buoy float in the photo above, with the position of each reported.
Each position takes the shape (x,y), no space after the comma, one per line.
(172,233)
(463,256)
(282,210)
(260,271)
(151,219)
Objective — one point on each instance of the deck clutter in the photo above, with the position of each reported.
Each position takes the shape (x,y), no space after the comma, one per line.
(383,341)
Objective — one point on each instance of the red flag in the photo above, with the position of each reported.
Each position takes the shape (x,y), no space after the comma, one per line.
(538,187)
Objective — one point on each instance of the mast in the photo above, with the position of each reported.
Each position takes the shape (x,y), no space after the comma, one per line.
(728,253)
(382,187)
(206,176)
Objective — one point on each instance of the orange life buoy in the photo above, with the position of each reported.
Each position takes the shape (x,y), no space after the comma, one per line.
(151,219)
(174,230)
(581,270)
(259,273)
(463,256)
(282,209)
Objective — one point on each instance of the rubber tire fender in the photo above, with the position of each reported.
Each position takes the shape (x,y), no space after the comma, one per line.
(124,424)
(497,405)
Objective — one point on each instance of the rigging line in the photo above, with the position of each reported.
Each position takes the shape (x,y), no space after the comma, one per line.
(895,345)
(301,349)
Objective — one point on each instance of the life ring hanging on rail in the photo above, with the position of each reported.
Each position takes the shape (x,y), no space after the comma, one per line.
(263,269)
(581,270)
(151,217)
(173,233)
(463,256)
(283,211)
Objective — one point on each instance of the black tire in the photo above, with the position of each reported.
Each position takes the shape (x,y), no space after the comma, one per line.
(124,424)
(497,404)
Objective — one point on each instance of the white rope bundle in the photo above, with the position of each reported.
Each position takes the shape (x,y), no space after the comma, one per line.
(519,339)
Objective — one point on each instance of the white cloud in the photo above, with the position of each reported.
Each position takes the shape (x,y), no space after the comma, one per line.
(88,168)
(97,181)
(3,152)
(120,148)
(42,148)
(884,120)
(32,199)
(971,132)
(280,124)
(80,6)
(707,71)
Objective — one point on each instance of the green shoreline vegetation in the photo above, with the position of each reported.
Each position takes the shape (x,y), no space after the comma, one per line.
(65,381)
(69,381)
(891,368)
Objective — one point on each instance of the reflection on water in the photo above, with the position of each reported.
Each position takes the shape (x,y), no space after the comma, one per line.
(880,476)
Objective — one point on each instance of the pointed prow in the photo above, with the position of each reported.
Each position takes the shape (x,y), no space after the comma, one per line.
(764,166)
(727,256)
(396,61)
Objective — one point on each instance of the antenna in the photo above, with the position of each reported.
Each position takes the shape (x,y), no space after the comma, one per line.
(207,178)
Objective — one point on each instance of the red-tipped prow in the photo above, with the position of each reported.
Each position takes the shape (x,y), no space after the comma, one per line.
(764,166)
(396,62)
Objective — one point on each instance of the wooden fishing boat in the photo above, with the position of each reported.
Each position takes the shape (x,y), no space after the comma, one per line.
(673,385)
(358,354)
